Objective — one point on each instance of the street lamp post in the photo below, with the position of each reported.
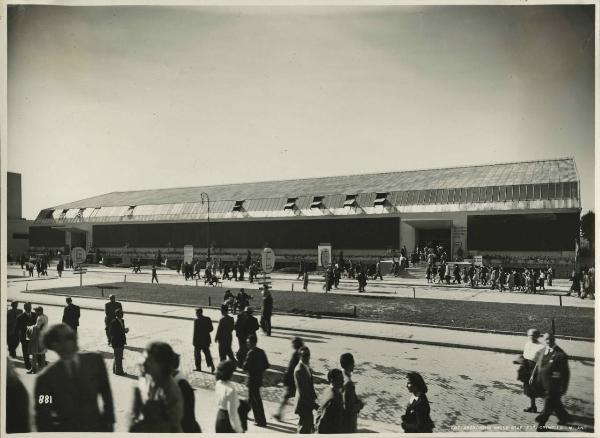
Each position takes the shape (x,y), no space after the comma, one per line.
(204,198)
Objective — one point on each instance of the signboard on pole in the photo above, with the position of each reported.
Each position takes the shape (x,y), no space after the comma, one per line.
(268,260)
(479,260)
(324,255)
(78,255)
(188,253)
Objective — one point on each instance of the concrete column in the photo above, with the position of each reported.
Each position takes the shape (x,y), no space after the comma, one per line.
(407,237)
(459,235)
(68,239)
(89,239)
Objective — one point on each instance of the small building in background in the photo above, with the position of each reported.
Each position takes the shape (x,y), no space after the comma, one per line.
(17,228)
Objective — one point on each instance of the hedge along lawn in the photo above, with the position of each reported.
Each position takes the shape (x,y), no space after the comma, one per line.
(569,321)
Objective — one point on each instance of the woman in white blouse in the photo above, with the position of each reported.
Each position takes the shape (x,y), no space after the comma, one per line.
(35,333)
(532,347)
(228,402)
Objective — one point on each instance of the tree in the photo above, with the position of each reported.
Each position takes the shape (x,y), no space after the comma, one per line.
(588,227)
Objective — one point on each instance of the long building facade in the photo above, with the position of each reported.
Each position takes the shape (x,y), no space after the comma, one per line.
(510,210)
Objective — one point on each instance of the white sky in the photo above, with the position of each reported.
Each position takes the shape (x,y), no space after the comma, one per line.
(106,99)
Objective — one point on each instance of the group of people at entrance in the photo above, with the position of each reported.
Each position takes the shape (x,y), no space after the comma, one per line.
(495,277)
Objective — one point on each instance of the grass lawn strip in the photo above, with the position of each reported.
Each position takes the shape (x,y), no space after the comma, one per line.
(569,321)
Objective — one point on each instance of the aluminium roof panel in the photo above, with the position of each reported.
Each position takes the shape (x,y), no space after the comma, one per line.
(531,172)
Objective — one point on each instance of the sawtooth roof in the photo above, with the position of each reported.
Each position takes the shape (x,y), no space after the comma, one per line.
(503,174)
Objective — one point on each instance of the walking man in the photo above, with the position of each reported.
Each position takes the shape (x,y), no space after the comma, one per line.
(224,335)
(552,372)
(154,277)
(255,365)
(71,314)
(12,333)
(202,329)
(352,404)
(306,397)
(305,281)
(300,269)
(110,309)
(24,320)
(378,270)
(267,310)
(118,340)
(73,385)
(288,378)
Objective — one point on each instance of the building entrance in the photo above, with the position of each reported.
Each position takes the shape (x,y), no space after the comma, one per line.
(78,239)
(435,236)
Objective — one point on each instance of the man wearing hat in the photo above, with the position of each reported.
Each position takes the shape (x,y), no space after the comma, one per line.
(109,311)
(551,371)
(24,320)
(532,347)
(118,340)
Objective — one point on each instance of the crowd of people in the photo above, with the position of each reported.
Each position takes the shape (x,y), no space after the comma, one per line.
(527,280)
(67,391)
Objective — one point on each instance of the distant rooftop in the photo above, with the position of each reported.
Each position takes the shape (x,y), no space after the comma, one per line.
(503,174)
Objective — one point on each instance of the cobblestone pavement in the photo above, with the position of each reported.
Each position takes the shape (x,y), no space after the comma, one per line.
(468,390)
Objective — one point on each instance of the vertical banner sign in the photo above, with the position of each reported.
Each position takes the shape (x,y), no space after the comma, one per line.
(188,253)
(324,255)
(479,260)
(268,260)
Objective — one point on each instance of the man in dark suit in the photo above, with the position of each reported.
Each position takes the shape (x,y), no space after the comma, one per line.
(154,276)
(224,335)
(109,311)
(66,392)
(267,310)
(306,396)
(352,404)
(202,328)
(71,314)
(12,333)
(118,340)
(288,377)
(255,365)
(552,373)
(24,320)
(245,325)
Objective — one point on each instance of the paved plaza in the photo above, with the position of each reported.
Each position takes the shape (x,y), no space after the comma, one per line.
(469,389)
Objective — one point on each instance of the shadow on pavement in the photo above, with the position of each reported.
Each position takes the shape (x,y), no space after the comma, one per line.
(136,349)
(304,338)
(578,419)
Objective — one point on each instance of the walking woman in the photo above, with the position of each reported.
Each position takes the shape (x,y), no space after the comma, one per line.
(158,403)
(417,419)
(228,402)
(37,349)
